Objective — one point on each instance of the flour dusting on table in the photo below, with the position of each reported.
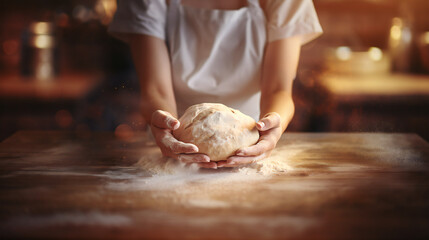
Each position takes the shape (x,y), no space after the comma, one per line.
(162,173)
(158,165)
(171,182)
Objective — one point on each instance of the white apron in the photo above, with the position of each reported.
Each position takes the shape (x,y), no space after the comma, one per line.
(216,55)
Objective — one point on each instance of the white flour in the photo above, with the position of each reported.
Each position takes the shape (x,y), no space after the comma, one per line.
(157,165)
(166,174)
(187,185)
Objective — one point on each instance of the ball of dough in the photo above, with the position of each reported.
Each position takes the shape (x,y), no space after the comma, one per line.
(217,130)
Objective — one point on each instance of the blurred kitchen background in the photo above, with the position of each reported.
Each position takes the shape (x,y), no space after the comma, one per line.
(60,69)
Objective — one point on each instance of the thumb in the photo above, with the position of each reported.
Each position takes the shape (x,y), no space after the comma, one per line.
(163,119)
(269,121)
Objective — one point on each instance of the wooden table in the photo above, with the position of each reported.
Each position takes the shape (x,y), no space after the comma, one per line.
(340,186)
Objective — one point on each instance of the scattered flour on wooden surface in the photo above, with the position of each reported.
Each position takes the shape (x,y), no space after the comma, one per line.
(187,185)
(158,165)
(162,173)
(272,165)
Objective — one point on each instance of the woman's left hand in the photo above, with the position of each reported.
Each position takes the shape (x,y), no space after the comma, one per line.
(270,131)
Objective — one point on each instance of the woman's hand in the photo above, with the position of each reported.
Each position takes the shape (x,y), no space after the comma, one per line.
(162,126)
(278,72)
(270,131)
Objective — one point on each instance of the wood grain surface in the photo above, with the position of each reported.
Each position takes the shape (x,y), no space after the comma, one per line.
(92,185)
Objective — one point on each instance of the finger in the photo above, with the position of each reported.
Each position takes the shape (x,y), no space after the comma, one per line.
(177,146)
(163,119)
(259,148)
(269,121)
(212,165)
(193,158)
(221,163)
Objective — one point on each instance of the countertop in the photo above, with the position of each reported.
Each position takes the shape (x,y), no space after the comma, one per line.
(335,186)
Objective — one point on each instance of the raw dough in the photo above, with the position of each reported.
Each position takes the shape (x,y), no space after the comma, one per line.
(217,130)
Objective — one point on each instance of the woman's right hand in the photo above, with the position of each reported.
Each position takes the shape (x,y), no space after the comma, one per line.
(162,126)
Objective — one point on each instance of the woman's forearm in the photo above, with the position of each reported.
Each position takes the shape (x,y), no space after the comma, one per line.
(153,98)
(278,73)
(280,102)
(151,60)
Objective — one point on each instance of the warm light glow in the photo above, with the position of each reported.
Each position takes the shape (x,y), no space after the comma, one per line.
(400,33)
(105,10)
(109,7)
(407,35)
(424,39)
(44,71)
(397,22)
(43,41)
(395,32)
(42,28)
(343,53)
(375,54)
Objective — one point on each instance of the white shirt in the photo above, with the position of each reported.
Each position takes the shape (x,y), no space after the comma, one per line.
(217,54)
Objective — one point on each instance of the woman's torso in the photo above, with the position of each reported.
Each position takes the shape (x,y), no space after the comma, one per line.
(216,49)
